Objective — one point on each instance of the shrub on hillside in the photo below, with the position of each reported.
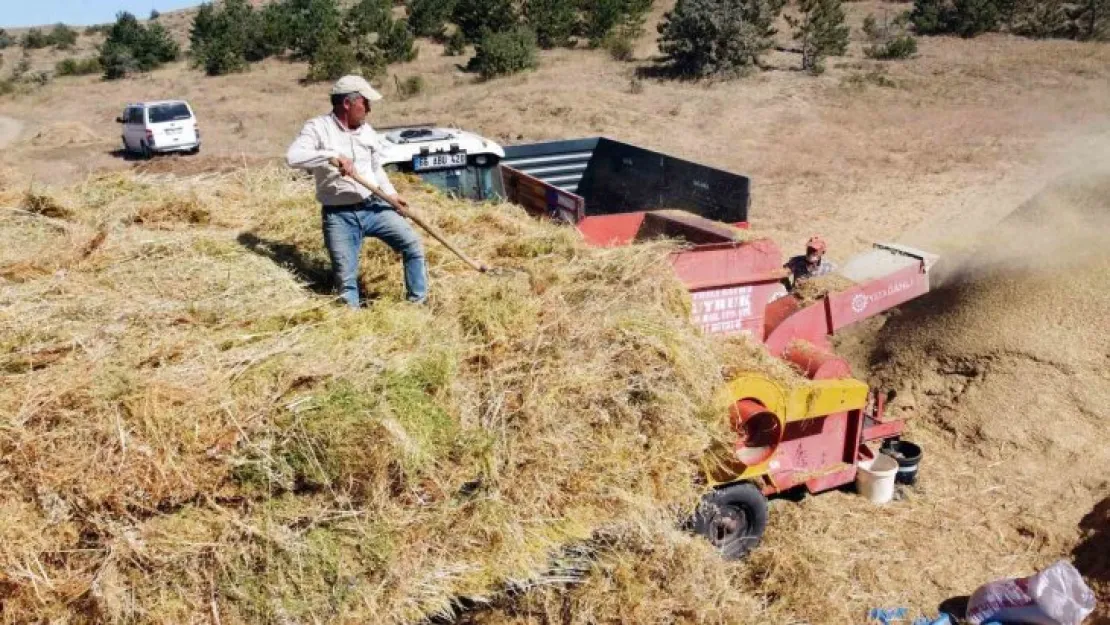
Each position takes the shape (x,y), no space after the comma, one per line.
(1090,20)
(620,44)
(131,47)
(1041,19)
(224,39)
(554,21)
(34,39)
(62,37)
(78,67)
(368,16)
(313,24)
(335,58)
(966,18)
(6,40)
(701,38)
(154,14)
(504,53)
(822,31)
(898,47)
(474,17)
(888,39)
(409,87)
(600,18)
(398,43)
(456,44)
(427,17)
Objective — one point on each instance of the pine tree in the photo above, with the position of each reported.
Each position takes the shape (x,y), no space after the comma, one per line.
(474,17)
(1091,20)
(701,38)
(554,21)
(426,17)
(822,31)
(1042,19)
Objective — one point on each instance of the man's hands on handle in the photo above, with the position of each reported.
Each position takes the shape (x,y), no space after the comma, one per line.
(400,205)
(346,167)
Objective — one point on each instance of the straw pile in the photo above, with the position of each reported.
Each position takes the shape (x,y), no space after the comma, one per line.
(61,134)
(810,290)
(190,433)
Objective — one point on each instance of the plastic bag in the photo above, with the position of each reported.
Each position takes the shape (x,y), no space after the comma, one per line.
(1055,596)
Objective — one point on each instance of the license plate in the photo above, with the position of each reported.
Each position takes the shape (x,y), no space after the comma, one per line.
(439,161)
(173,131)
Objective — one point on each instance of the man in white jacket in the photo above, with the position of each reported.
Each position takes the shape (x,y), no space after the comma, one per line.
(331,147)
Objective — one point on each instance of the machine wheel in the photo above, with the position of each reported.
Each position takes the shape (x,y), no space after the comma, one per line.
(144,151)
(732,519)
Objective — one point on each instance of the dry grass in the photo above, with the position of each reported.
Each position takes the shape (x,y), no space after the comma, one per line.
(188,428)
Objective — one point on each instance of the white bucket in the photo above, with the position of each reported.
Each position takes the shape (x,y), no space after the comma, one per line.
(875,478)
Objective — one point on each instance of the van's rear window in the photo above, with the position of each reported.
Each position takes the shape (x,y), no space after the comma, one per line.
(168,113)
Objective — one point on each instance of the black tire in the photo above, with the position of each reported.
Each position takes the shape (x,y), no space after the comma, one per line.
(732,519)
(195,149)
(144,151)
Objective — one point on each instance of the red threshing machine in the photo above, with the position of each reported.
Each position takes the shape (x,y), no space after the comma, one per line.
(808,435)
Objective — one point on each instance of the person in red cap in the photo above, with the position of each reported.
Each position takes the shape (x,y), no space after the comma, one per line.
(811,264)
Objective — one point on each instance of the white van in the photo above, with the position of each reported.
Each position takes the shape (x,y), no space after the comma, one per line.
(160,126)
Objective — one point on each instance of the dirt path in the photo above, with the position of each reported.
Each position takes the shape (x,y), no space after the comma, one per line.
(10,129)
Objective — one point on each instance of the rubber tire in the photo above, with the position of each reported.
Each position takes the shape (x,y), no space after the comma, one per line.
(144,151)
(740,505)
(195,150)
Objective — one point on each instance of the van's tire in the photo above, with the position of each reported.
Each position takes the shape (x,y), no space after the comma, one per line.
(195,149)
(144,151)
(732,519)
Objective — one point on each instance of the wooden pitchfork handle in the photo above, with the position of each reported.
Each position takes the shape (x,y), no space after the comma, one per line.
(414,216)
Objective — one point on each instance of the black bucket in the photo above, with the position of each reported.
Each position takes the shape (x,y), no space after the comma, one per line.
(908,456)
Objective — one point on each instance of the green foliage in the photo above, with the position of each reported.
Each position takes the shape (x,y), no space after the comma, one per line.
(368,16)
(889,39)
(131,47)
(456,44)
(898,47)
(601,17)
(332,60)
(274,31)
(701,38)
(427,17)
(930,17)
(1041,19)
(409,87)
(62,37)
(474,17)
(504,53)
(966,18)
(313,24)
(974,17)
(554,21)
(620,44)
(1090,20)
(221,37)
(154,14)
(117,60)
(78,67)
(398,43)
(822,31)
(6,40)
(22,67)
(34,39)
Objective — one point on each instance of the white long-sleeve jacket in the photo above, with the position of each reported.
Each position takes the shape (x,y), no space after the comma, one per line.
(323,138)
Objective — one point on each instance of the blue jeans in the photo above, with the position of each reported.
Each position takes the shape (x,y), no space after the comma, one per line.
(344,229)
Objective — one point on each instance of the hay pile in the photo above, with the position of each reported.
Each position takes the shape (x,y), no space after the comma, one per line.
(810,290)
(61,134)
(190,433)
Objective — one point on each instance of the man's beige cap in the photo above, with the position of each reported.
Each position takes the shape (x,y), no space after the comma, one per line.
(355,84)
